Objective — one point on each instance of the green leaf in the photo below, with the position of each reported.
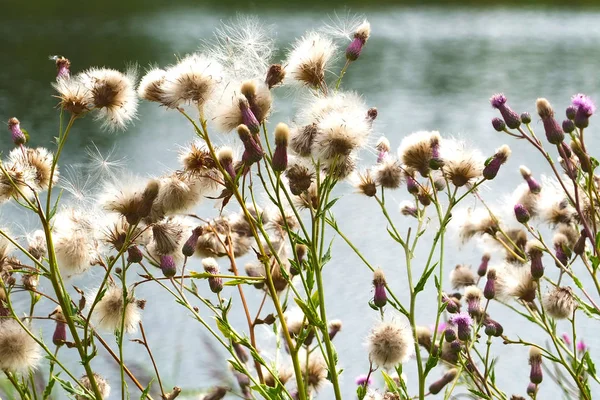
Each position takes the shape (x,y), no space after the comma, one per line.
(479,394)
(361,392)
(310,314)
(421,284)
(432,361)
(390,383)
(591,368)
(147,390)
(223,327)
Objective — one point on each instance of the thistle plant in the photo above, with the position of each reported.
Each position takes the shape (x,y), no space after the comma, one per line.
(275,185)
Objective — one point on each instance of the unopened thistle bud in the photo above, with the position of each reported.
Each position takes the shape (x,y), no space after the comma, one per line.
(18,136)
(473,298)
(411,185)
(60,331)
(334,327)
(571,111)
(498,330)
(584,158)
(535,361)
(248,117)
(424,195)
(532,389)
(436,162)
(449,335)
(225,157)
(275,75)
(452,305)
(63,66)
(493,164)
(380,296)
(360,39)
(534,186)
(189,247)
(252,151)
(511,118)
(463,323)
(167,265)
(534,250)
(526,118)
(210,265)
(568,126)
(280,159)
(585,109)
(485,260)
(579,247)
(134,255)
(554,132)
(438,385)
(522,214)
(439,183)
(216,393)
(498,124)
(489,291)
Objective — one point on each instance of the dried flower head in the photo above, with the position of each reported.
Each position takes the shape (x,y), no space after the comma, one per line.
(248,103)
(515,282)
(364,183)
(102,384)
(19,352)
(416,150)
(130,198)
(309,59)
(390,343)
(74,241)
(150,87)
(554,132)
(462,165)
(462,276)
(388,173)
(112,95)
(560,303)
(109,312)
(74,96)
(191,80)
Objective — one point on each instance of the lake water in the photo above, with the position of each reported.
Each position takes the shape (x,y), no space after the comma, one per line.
(423,68)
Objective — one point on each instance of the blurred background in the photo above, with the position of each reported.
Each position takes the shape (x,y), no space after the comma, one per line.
(425,67)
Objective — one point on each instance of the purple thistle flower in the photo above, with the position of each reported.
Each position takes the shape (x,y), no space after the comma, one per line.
(535,360)
(585,109)
(248,117)
(498,124)
(571,111)
(189,247)
(537,267)
(167,265)
(581,346)
(511,118)
(442,326)
(60,333)
(493,164)
(18,136)
(482,270)
(411,185)
(463,323)
(521,213)
(568,126)
(566,338)
(380,296)
(252,151)
(584,104)
(354,48)
(362,380)
(62,68)
(489,291)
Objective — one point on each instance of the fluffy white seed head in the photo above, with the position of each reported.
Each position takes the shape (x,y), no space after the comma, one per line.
(75,241)
(73,95)
(112,94)
(390,343)
(18,351)
(309,59)
(559,303)
(103,386)
(462,165)
(109,311)
(415,150)
(150,87)
(192,80)
(462,276)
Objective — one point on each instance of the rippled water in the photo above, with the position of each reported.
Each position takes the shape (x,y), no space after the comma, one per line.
(423,68)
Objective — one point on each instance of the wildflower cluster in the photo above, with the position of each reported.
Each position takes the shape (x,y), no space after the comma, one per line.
(269,235)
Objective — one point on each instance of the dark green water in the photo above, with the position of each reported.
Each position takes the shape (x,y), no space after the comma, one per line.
(423,68)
